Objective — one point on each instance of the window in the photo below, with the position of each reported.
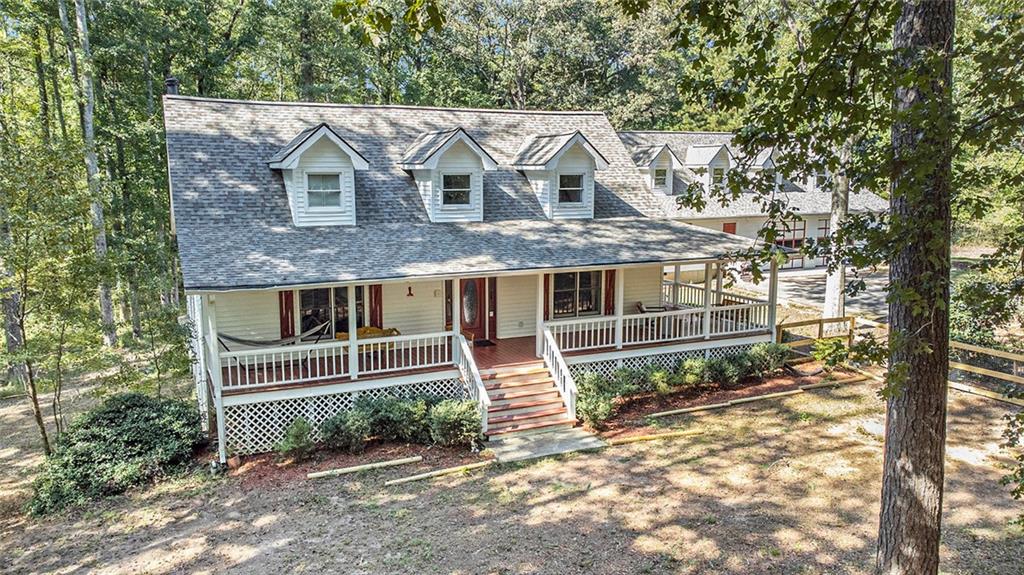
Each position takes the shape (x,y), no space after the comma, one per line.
(820,179)
(660,177)
(455,190)
(717,176)
(323,190)
(570,188)
(317,306)
(576,294)
(792,236)
(823,232)
(729,227)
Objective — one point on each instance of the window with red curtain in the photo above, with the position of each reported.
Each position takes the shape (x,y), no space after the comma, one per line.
(729,227)
(609,292)
(286,312)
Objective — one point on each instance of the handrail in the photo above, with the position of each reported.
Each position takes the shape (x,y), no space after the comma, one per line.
(471,377)
(293,348)
(560,372)
(576,320)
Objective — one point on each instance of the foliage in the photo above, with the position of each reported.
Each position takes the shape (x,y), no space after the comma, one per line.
(455,422)
(660,379)
(724,371)
(347,430)
(1014,436)
(126,441)
(693,371)
(595,399)
(766,358)
(297,443)
(982,303)
(831,352)
(397,419)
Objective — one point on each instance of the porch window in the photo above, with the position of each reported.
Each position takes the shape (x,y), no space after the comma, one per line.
(317,306)
(570,188)
(660,177)
(455,189)
(576,294)
(323,190)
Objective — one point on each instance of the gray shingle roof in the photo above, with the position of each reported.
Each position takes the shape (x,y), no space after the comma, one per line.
(540,149)
(798,198)
(427,144)
(235,228)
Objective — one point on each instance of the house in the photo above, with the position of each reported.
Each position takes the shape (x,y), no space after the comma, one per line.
(331,252)
(671,161)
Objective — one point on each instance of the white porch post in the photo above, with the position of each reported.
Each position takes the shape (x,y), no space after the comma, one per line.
(540,315)
(620,288)
(457,306)
(707,300)
(676,281)
(718,282)
(217,377)
(773,296)
(353,339)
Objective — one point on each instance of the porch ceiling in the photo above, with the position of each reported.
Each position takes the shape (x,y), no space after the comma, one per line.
(264,256)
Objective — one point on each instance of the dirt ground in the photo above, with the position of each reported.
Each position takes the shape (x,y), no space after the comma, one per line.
(781,486)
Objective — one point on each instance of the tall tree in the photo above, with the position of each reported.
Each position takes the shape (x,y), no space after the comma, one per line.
(922,147)
(93,175)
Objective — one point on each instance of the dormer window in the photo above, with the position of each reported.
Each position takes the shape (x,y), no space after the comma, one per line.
(456,189)
(570,188)
(717,176)
(660,177)
(820,179)
(323,191)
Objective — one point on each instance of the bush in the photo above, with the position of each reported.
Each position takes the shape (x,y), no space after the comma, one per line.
(723,371)
(595,400)
(296,443)
(624,381)
(693,371)
(394,418)
(830,351)
(455,422)
(128,440)
(660,379)
(767,358)
(347,430)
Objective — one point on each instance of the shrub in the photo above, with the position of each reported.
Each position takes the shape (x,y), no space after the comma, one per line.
(296,443)
(722,371)
(693,371)
(767,358)
(660,379)
(624,381)
(455,422)
(347,430)
(830,351)
(394,418)
(128,440)
(595,400)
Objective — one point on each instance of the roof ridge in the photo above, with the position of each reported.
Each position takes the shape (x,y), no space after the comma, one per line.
(385,106)
(692,132)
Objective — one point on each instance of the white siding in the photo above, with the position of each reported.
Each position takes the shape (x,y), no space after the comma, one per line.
(663,162)
(422,313)
(323,157)
(248,314)
(642,284)
(541,183)
(517,306)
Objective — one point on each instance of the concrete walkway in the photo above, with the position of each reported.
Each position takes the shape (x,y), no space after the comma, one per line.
(807,288)
(544,444)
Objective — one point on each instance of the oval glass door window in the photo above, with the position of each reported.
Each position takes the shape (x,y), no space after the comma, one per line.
(470,299)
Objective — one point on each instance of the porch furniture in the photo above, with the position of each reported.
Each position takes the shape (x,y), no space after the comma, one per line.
(221,338)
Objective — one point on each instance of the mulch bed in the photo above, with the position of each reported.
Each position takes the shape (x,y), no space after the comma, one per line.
(269,470)
(631,413)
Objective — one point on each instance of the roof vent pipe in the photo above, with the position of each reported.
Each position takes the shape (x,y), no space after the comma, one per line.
(172,85)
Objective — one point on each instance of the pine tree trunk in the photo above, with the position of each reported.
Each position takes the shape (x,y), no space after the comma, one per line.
(915,435)
(92,173)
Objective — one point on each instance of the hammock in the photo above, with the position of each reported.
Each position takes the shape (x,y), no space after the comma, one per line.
(271,343)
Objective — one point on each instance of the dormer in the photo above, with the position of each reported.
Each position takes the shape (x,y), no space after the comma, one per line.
(764,164)
(560,168)
(318,168)
(711,161)
(658,164)
(449,167)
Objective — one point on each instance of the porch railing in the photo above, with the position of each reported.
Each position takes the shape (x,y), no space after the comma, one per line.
(692,295)
(254,368)
(471,377)
(403,352)
(662,326)
(733,319)
(583,333)
(559,371)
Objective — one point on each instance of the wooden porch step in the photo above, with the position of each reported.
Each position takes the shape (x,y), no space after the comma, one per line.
(550,394)
(546,379)
(512,372)
(531,415)
(519,394)
(516,406)
(528,427)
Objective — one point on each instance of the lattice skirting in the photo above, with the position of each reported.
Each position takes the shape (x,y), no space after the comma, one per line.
(606,368)
(258,427)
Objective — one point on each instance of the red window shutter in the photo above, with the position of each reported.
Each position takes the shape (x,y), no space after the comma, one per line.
(547,296)
(286,312)
(609,292)
(729,227)
(376,306)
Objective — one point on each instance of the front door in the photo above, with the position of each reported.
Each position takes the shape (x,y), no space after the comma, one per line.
(474,315)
